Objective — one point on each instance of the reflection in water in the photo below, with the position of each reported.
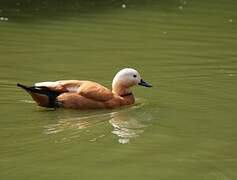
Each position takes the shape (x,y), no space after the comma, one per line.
(127,123)
(70,123)
(126,127)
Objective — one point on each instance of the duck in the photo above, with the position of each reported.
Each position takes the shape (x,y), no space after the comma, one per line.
(85,94)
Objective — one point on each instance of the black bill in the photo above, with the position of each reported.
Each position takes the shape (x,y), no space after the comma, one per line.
(143,83)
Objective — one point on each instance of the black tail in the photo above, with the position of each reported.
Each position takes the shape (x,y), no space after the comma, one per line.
(42,90)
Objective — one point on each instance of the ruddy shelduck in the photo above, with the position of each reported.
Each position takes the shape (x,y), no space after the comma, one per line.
(78,94)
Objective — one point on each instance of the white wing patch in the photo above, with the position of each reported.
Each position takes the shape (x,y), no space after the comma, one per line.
(72,89)
(54,84)
(47,84)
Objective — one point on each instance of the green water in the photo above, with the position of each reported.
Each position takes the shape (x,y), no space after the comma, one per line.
(182,128)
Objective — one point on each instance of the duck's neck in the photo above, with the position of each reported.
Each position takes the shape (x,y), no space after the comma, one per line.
(120,89)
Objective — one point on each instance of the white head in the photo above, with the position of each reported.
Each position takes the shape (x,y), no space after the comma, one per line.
(127,78)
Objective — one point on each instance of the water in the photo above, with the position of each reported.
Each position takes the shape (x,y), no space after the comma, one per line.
(182,128)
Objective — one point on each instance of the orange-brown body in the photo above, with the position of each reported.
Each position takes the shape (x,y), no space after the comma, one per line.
(83,95)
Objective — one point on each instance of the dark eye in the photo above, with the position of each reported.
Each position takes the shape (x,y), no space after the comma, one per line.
(135,75)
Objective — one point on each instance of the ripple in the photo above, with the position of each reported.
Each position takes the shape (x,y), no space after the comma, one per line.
(28,101)
(127,123)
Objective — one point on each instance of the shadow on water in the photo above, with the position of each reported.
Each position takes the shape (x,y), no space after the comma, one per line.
(33,9)
(127,123)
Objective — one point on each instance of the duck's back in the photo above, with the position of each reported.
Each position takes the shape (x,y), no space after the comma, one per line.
(79,94)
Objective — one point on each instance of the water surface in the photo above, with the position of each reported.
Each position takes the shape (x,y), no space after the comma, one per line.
(182,128)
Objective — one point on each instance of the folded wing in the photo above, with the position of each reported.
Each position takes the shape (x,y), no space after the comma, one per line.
(88,89)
